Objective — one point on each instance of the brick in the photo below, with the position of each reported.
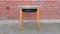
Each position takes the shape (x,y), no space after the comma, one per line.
(43,0)
(13,0)
(25,3)
(51,0)
(9,0)
(25,0)
(2,0)
(47,0)
(58,0)
(35,0)
(34,3)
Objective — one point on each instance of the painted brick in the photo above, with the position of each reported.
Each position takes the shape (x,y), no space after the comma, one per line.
(29,0)
(35,0)
(48,10)
(25,0)
(57,0)
(10,0)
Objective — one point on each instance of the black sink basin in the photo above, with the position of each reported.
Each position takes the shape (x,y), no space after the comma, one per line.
(29,10)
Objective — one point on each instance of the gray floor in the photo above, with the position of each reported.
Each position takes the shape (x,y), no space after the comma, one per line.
(29,28)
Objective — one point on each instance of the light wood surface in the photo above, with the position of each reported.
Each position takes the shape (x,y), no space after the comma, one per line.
(37,18)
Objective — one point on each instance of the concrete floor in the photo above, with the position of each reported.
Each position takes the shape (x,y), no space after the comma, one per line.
(29,28)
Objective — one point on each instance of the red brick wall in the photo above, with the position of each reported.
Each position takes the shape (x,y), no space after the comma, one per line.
(29,0)
(48,9)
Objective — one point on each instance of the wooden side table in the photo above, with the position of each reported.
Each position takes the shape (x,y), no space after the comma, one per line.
(36,14)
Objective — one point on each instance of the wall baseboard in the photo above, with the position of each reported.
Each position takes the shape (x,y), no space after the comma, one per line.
(32,21)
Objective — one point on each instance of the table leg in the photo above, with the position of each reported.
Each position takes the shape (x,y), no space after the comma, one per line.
(38,20)
(21,20)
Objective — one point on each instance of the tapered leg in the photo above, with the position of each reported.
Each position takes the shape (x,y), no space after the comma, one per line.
(38,20)
(21,20)
(35,17)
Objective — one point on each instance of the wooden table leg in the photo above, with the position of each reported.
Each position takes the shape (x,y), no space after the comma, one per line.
(21,20)
(38,19)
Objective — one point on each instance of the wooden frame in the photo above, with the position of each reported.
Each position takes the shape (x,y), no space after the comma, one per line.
(37,17)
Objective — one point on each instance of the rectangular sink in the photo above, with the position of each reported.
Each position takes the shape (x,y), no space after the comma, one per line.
(29,8)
